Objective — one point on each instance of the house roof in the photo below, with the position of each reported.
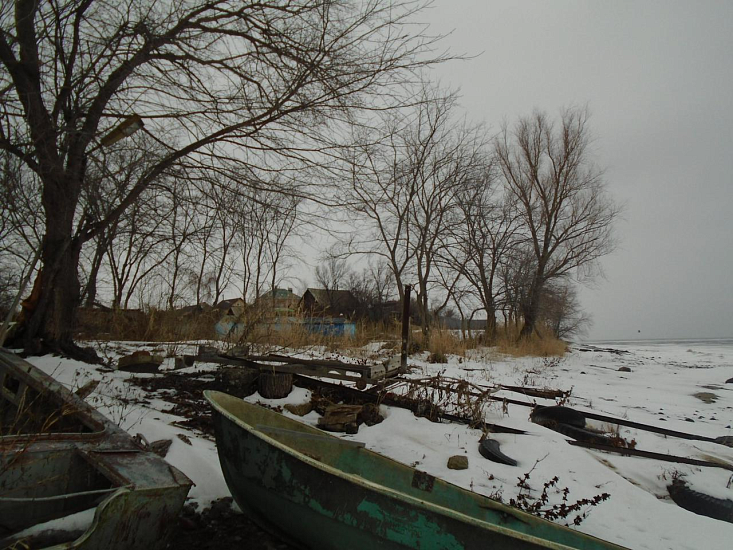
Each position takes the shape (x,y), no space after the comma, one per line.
(203,306)
(280,294)
(336,301)
(226,304)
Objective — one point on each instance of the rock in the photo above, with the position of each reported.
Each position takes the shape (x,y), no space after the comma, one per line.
(689,420)
(556,414)
(624,369)
(341,418)
(458,462)
(320,404)
(221,508)
(729,381)
(299,410)
(726,440)
(184,438)
(706,396)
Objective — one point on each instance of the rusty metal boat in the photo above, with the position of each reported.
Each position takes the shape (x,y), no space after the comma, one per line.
(323,492)
(60,459)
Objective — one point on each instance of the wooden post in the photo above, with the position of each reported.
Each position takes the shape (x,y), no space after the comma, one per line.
(405,328)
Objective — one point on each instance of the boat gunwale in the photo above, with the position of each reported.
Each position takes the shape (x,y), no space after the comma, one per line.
(399,495)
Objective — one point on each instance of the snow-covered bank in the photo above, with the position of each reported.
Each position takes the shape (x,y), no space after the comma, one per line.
(676,386)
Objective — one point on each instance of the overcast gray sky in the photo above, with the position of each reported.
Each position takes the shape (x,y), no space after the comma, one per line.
(658,80)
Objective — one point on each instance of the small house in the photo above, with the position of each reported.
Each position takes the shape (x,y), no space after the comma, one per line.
(281,301)
(318,302)
(233,307)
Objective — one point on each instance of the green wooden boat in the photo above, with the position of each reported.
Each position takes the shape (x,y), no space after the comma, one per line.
(322,492)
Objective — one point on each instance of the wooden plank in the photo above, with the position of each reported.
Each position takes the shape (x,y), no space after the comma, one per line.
(369,374)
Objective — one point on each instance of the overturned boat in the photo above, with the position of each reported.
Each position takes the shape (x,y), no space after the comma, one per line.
(70,477)
(322,492)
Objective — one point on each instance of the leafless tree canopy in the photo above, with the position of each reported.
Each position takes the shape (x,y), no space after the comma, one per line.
(489,225)
(254,112)
(566,214)
(234,87)
(480,243)
(405,184)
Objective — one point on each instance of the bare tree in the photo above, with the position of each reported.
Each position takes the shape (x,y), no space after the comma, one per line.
(516,274)
(372,288)
(561,311)
(215,238)
(406,187)
(442,159)
(479,242)
(108,176)
(218,79)
(284,219)
(565,210)
(139,246)
(379,200)
(180,228)
(333,274)
(265,222)
(21,224)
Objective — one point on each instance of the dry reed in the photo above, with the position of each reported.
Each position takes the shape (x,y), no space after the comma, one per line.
(543,344)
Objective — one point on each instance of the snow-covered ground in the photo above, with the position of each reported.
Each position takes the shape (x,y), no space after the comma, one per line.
(659,390)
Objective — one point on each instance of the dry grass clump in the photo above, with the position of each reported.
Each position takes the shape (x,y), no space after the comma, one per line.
(284,334)
(445,342)
(294,333)
(543,345)
(152,325)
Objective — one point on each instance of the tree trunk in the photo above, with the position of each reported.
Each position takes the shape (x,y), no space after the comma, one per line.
(50,321)
(490,330)
(530,311)
(52,317)
(91,290)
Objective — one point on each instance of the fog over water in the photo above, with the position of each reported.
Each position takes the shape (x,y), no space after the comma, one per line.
(657,78)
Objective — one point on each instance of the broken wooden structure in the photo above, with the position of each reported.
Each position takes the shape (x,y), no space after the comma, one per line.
(361,374)
(60,457)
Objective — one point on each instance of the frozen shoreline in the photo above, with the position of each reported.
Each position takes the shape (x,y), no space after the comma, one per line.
(659,390)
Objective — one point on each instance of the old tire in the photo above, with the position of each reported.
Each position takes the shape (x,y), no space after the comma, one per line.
(558,415)
(700,503)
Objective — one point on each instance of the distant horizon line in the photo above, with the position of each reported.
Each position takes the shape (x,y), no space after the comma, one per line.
(674,339)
